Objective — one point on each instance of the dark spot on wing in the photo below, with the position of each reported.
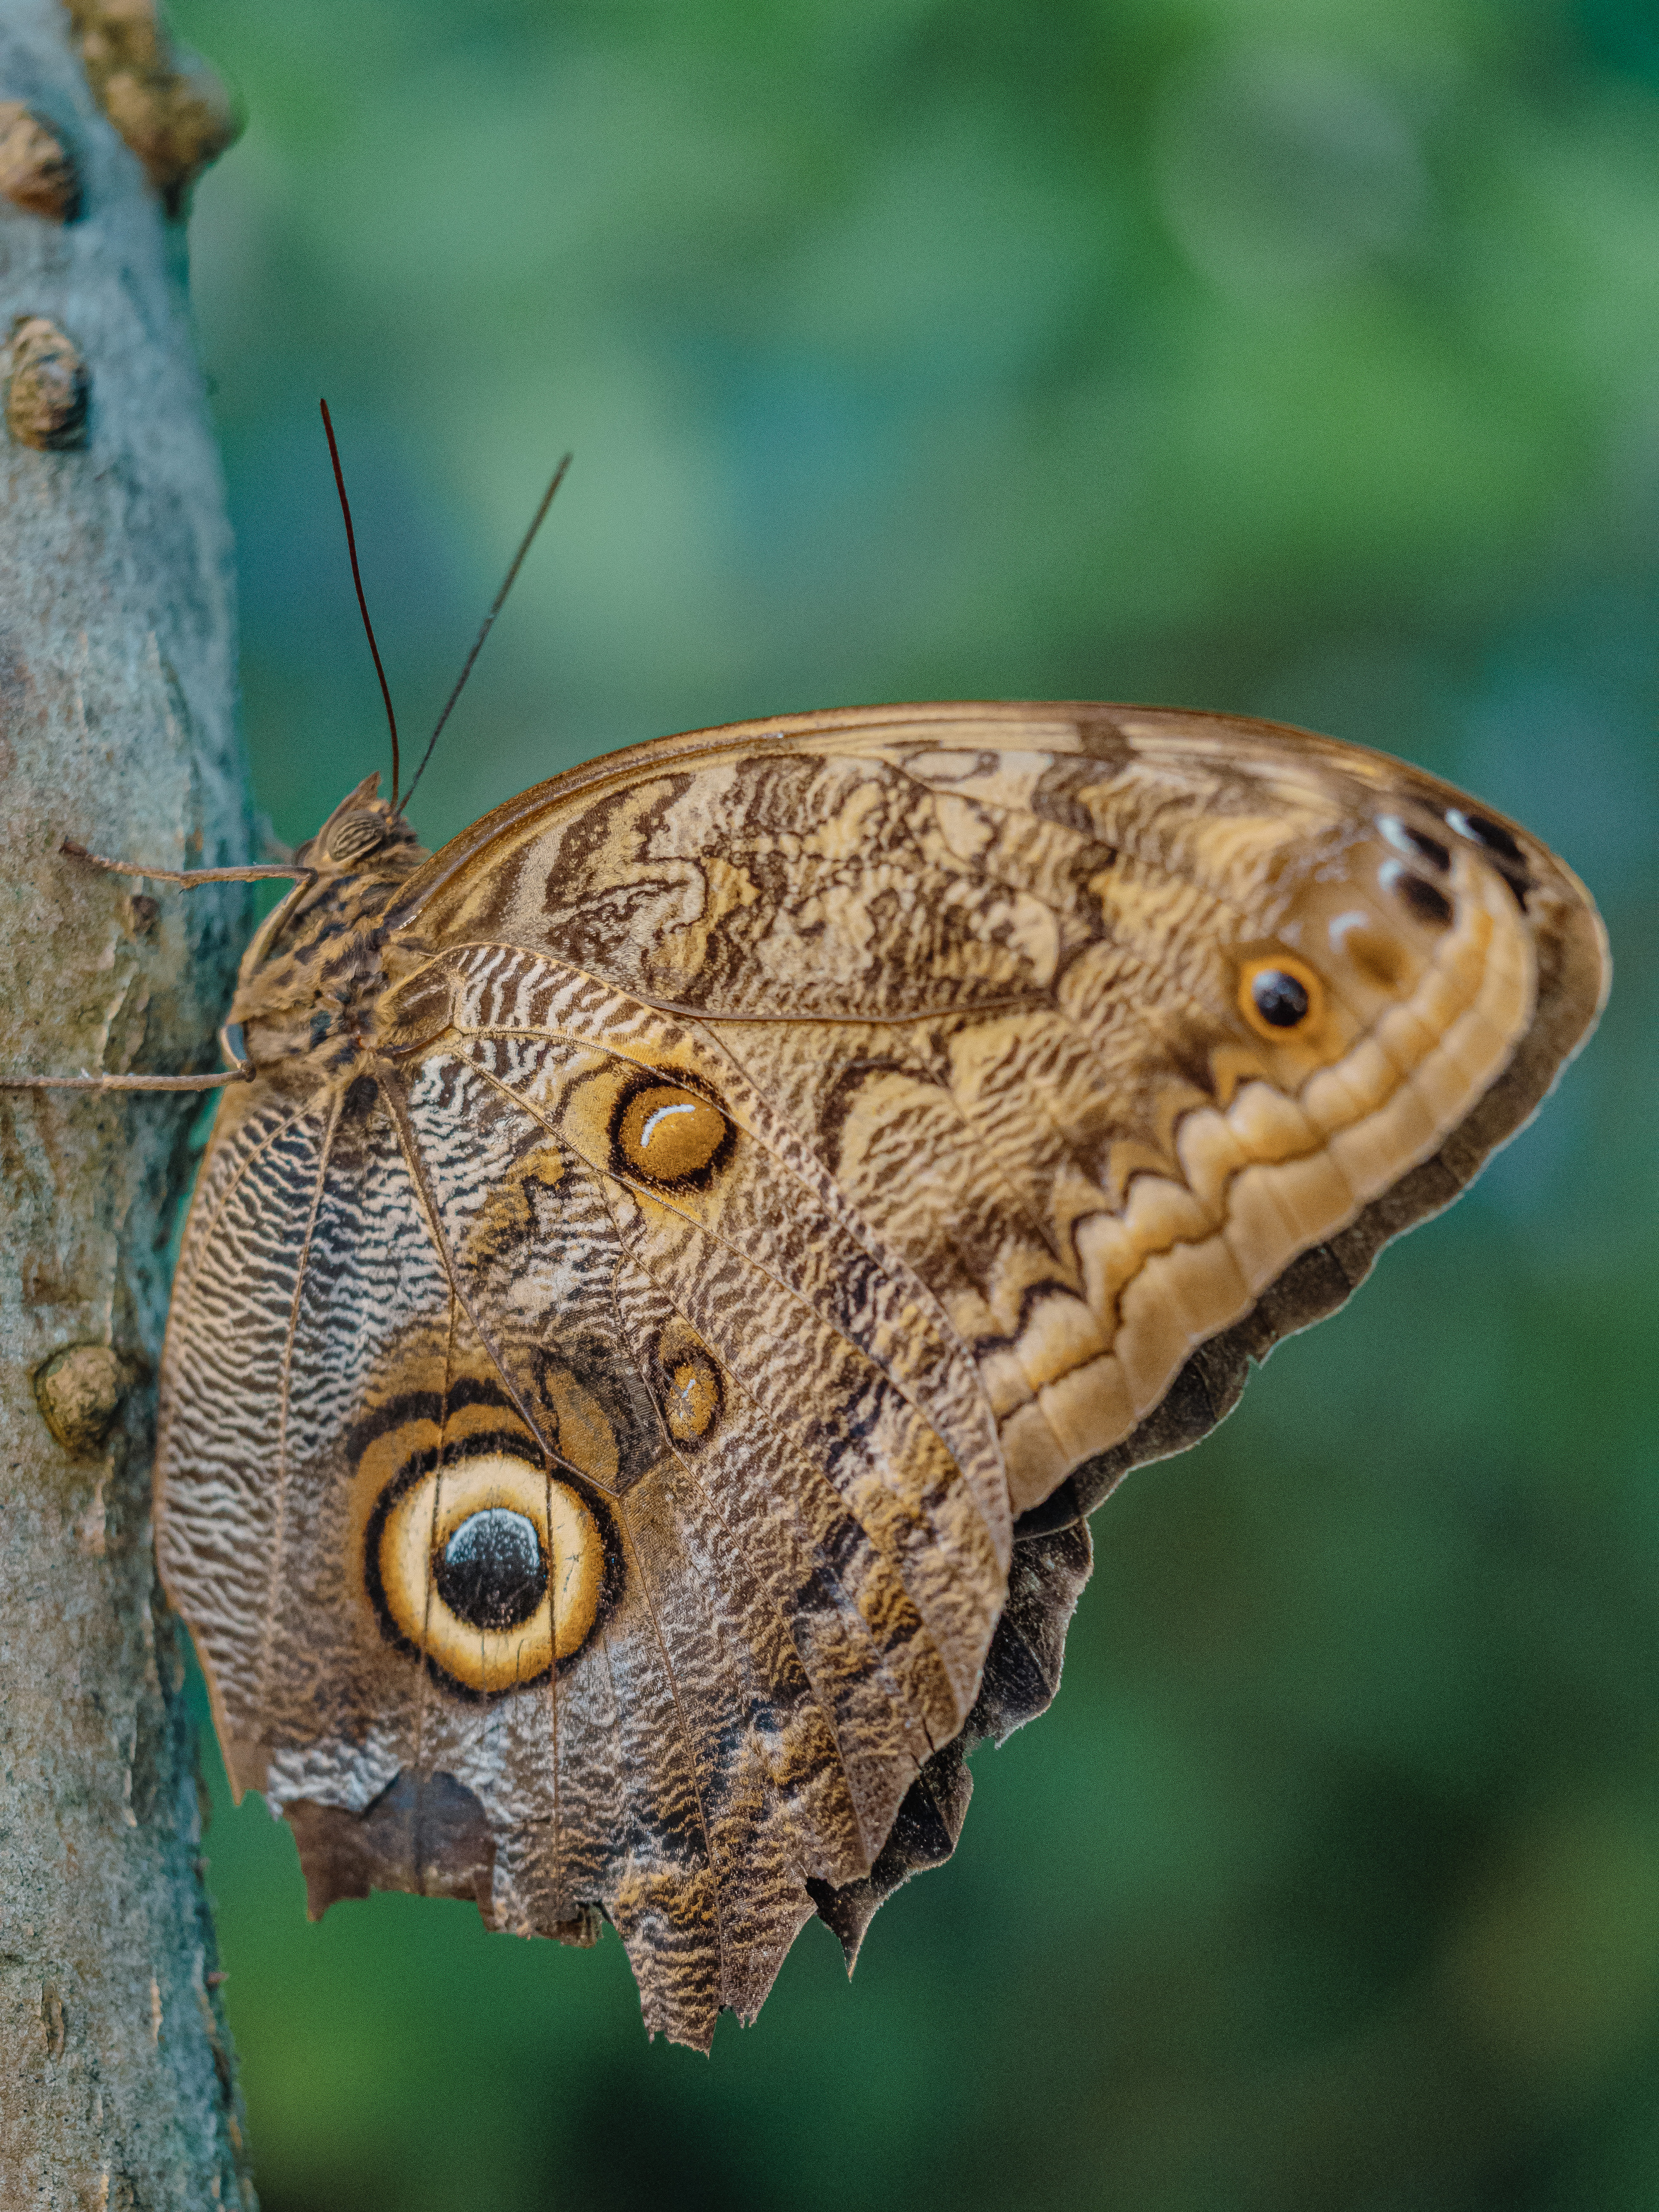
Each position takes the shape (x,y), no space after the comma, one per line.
(1426,901)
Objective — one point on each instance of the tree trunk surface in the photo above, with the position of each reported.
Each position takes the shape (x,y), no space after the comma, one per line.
(117,677)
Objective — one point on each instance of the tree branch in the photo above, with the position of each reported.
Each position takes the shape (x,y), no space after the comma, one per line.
(116,729)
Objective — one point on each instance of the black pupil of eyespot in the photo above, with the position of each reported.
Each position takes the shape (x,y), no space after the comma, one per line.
(1280,998)
(491,1572)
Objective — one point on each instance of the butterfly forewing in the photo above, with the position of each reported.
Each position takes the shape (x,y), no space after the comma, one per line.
(992,969)
(753,1172)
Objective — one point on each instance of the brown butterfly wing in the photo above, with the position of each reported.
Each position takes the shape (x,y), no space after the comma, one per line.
(986,963)
(974,1182)
(798,1571)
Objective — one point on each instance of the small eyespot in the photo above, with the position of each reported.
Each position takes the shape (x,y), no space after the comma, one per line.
(1281,996)
(669,1134)
(1428,903)
(1414,844)
(692,1398)
(1481,830)
(354,836)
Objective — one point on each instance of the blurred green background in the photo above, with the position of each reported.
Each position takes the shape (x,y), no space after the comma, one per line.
(1294,357)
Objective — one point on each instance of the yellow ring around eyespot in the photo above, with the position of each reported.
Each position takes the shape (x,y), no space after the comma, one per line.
(426,1516)
(668,1134)
(1283,963)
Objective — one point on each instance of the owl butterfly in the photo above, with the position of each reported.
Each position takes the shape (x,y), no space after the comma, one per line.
(689,1255)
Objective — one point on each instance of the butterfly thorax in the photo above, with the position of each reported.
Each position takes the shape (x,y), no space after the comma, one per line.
(310,982)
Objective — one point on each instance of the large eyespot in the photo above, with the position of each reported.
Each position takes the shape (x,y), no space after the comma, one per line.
(1281,997)
(669,1134)
(489,1566)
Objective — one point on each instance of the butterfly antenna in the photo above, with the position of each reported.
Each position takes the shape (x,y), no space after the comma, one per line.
(356,578)
(536,520)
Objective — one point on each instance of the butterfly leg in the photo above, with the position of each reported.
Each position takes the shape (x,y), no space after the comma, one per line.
(241,1070)
(242,1074)
(188,878)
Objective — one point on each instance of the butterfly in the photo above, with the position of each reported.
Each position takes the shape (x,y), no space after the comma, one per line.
(674,1270)
(696,1249)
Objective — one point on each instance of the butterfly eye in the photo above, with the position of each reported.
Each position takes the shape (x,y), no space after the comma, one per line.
(353,836)
(1280,997)
(489,1567)
(669,1134)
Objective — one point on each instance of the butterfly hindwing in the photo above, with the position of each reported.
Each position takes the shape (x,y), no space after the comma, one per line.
(483,1307)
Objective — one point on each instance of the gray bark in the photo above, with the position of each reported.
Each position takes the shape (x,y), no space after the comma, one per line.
(117,2088)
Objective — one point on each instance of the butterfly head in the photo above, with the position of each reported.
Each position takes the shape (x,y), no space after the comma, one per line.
(363,835)
(312,974)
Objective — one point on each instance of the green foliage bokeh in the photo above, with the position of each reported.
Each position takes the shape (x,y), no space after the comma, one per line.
(1285,355)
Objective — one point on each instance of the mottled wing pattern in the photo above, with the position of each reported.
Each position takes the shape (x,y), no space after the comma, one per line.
(626,1418)
(993,966)
(458,1298)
